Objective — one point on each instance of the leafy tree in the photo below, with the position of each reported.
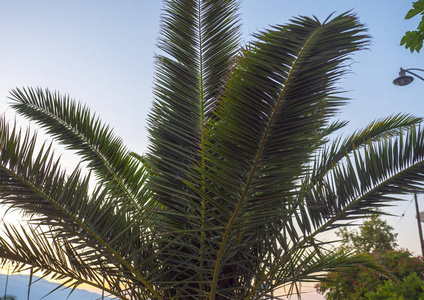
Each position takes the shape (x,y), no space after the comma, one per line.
(413,40)
(407,276)
(374,235)
(364,283)
(411,287)
(240,177)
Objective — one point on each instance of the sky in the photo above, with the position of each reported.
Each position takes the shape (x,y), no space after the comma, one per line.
(101,52)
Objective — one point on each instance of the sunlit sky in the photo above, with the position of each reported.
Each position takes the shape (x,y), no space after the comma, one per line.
(102,53)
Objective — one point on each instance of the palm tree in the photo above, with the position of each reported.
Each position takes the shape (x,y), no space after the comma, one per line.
(241,176)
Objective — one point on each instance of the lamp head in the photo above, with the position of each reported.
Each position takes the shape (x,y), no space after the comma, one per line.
(403,79)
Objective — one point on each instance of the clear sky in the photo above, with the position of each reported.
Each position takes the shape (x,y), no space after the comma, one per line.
(102,53)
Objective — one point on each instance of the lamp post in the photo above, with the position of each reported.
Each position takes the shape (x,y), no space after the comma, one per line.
(419,224)
(404,79)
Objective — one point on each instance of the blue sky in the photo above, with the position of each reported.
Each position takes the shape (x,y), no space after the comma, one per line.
(102,53)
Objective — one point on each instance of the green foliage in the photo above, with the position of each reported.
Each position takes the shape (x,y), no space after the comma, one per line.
(411,287)
(413,40)
(364,283)
(240,176)
(374,235)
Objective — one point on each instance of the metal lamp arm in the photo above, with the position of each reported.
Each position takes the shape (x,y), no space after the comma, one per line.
(415,69)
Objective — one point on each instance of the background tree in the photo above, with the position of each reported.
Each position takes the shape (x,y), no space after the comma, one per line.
(241,176)
(374,235)
(413,40)
(406,272)
(410,287)
(407,278)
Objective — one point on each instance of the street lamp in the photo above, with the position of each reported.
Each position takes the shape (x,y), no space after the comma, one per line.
(404,79)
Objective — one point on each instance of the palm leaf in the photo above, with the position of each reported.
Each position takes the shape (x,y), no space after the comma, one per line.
(310,265)
(45,254)
(65,205)
(281,87)
(368,179)
(72,124)
(372,177)
(377,130)
(199,39)
(365,182)
(333,154)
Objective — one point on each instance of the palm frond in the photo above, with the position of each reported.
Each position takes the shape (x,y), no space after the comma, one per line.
(31,246)
(273,106)
(334,126)
(310,264)
(380,129)
(370,177)
(72,125)
(200,40)
(54,256)
(65,205)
